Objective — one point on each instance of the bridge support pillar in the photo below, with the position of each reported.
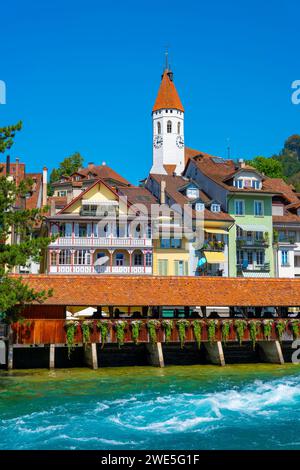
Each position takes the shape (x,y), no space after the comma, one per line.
(90,355)
(215,353)
(271,351)
(52,356)
(155,355)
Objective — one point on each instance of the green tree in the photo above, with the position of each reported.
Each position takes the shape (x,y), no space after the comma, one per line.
(67,167)
(17,245)
(268,166)
(292,144)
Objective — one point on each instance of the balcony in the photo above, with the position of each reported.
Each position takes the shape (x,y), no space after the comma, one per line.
(251,243)
(259,268)
(90,269)
(101,242)
(213,245)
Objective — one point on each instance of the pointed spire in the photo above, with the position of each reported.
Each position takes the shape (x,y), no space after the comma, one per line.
(167,96)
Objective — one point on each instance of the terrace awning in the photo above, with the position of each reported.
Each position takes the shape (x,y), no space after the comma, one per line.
(214,257)
(253,228)
(215,230)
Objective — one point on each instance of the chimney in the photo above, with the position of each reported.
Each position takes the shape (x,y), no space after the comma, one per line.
(163,192)
(90,165)
(52,207)
(17,171)
(7,165)
(241,163)
(45,177)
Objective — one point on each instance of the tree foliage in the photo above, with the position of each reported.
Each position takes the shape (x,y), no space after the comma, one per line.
(17,244)
(67,167)
(268,166)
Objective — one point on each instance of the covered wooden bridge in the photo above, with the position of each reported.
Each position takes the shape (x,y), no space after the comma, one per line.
(160,312)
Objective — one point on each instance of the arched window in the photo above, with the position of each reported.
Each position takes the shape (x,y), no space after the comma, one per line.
(158,128)
(169,127)
(178,128)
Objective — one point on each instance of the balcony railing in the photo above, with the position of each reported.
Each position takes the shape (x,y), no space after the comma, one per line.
(102,242)
(254,267)
(89,269)
(246,242)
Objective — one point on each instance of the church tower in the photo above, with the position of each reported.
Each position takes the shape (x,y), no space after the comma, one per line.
(168,128)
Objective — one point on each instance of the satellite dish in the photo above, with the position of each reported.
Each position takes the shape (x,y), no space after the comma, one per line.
(101,261)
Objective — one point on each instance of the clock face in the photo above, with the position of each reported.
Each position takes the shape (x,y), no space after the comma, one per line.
(157,141)
(179,141)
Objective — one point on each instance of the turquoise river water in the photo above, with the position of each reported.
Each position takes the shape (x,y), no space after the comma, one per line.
(190,407)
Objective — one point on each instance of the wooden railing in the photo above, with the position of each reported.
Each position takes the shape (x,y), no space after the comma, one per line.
(54,331)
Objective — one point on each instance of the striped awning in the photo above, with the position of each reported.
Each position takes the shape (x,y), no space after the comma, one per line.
(214,257)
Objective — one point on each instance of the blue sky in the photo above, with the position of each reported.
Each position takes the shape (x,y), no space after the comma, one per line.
(83,76)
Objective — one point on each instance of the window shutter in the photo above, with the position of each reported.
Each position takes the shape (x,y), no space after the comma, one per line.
(176,268)
(76,229)
(89,230)
(186,268)
(68,230)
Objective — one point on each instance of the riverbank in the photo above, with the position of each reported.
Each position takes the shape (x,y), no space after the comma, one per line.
(191,407)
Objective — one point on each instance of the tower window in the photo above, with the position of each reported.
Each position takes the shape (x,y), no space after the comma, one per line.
(169,127)
(158,128)
(178,128)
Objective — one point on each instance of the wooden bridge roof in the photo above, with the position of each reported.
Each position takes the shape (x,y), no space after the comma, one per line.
(166,291)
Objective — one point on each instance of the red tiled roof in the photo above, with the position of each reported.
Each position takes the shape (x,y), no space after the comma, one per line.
(280,186)
(138,195)
(176,291)
(32,201)
(98,171)
(167,96)
(173,185)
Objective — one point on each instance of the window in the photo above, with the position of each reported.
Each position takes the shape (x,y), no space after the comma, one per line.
(65,230)
(148,259)
(260,257)
(239,207)
(159,128)
(250,257)
(53,258)
(138,259)
(255,184)
(178,128)
(65,257)
(259,236)
(181,268)
(169,127)
(192,193)
(62,193)
(239,232)
(284,258)
(199,206)
(170,243)
(215,207)
(82,257)
(119,259)
(163,267)
(258,208)
(239,256)
(238,183)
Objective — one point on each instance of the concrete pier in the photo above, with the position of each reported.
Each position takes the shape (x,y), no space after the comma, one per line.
(52,356)
(215,353)
(90,355)
(271,351)
(155,356)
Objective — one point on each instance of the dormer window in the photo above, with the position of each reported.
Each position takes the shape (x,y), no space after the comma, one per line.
(238,183)
(255,184)
(199,206)
(192,193)
(215,207)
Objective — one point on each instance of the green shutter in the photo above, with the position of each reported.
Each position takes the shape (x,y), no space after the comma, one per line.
(163,267)
(186,268)
(176,268)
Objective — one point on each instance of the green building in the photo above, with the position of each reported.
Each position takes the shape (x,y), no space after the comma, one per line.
(242,192)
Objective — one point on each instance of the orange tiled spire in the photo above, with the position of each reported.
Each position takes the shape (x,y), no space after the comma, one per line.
(167,96)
